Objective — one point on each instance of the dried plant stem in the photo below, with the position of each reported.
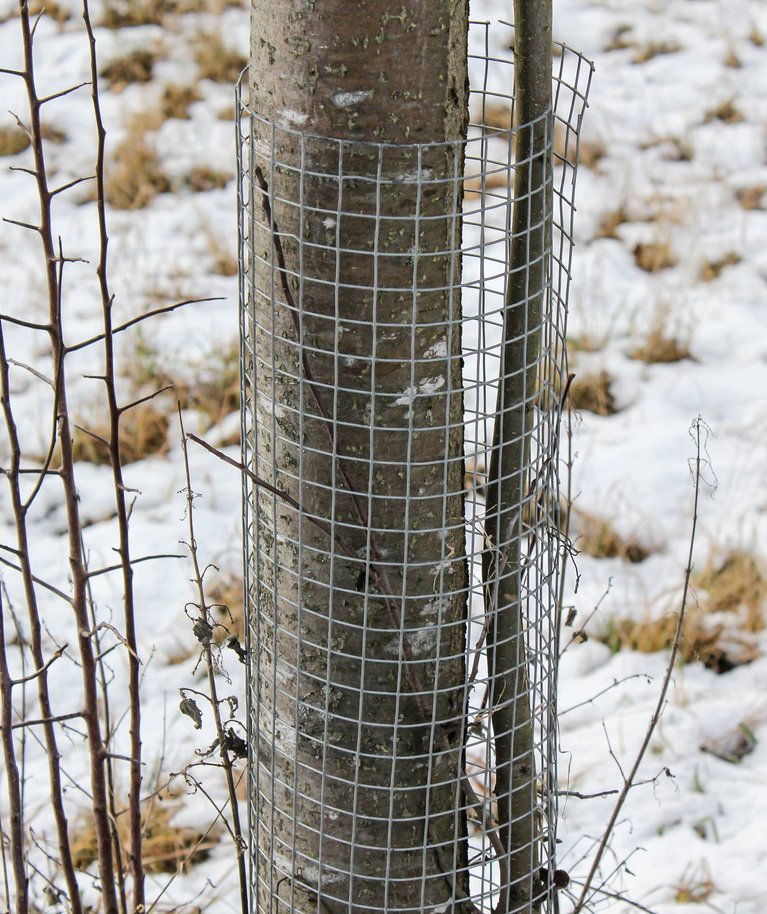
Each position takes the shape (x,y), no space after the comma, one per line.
(54,265)
(35,634)
(215,703)
(630,778)
(123,549)
(12,775)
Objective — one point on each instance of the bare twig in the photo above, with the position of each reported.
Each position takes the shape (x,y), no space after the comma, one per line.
(207,651)
(630,778)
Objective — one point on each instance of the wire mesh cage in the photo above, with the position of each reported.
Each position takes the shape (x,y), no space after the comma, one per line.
(402,623)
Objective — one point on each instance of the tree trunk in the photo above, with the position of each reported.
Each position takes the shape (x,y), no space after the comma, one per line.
(360,625)
(509,502)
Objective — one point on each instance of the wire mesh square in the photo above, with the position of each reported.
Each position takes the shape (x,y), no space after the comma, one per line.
(374,303)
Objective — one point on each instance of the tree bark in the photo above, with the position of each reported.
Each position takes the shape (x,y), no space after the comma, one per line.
(359,654)
(509,501)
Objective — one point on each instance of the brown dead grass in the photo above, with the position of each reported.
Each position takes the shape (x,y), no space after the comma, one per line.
(167,847)
(611,221)
(474,185)
(134,67)
(592,393)
(661,345)
(596,536)
(127,13)
(134,173)
(654,256)
(720,630)
(203,178)
(143,432)
(13,140)
(726,111)
(216,60)
(589,152)
(751,198)
(225,599)
(653,49)
(712,269)
(51,9)
(177,99)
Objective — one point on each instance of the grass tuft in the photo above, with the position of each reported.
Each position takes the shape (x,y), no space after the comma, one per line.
(726,112)
(167,847)
(216,61)
(203,178)
(661,346)
(134,67)
(176,101)
(597,537)
(751,198)
(134,174)
(592,393)
(654,256)
(655,49)
(13,140)
(143,432)
(711,269)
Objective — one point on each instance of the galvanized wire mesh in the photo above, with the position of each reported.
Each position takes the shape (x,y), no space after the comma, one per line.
(377,587)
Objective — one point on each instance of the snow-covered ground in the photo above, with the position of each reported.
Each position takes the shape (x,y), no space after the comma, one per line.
(675,178)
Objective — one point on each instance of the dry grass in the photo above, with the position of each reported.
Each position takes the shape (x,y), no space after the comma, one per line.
(751,198)
(177,99)
(726,112)
(203,178)
(13,140)
(696,885)
(735,581)
(493,114)
(126,13)
(654,256)
(215,391)
(596,536)
(711,269)
(225,599)
(166,847)
(592,393)
(621,39)
(474,184)
(143,432)
(217,61)
(611,221)
(590,151)
(134,67)
(51,9)
(756,36)
(661,345)
(224,260)
(720,631)
(653,49)
(731,59)
(134,174)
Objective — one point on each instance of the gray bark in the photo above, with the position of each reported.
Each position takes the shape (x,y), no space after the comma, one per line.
(361,617)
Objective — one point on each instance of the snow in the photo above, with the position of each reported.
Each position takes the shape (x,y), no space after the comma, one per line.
(695,825)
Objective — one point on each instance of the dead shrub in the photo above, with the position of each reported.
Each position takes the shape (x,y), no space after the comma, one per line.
(654,256)
(216,61)
(134,67)
(597,537)
(134,174)
(166,847)
(592,393)
(711,269)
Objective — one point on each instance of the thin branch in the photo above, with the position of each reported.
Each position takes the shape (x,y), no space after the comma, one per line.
(656,715)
